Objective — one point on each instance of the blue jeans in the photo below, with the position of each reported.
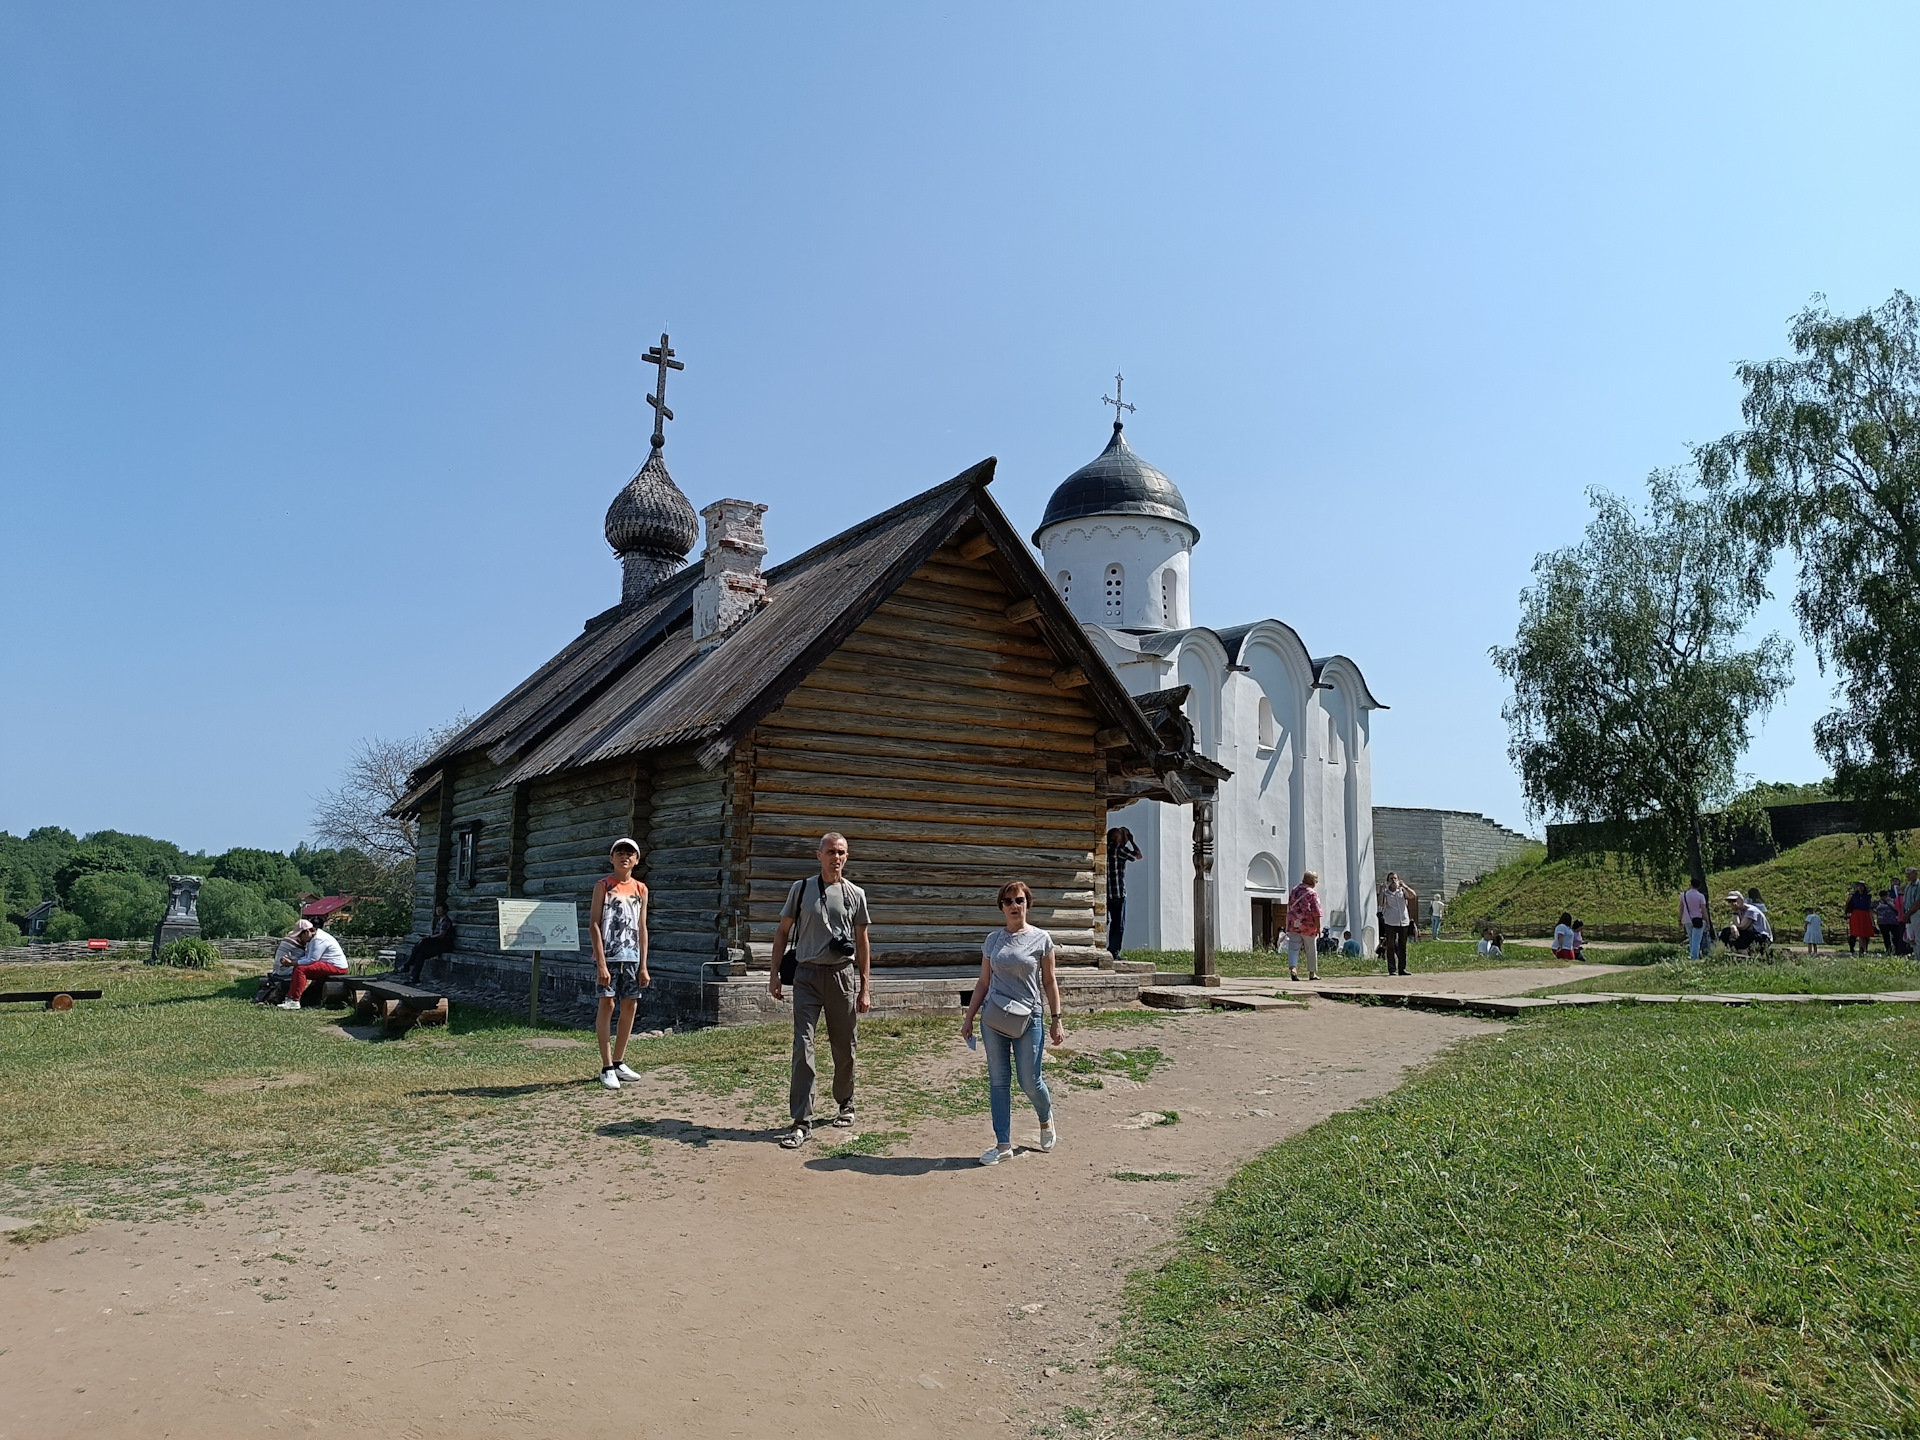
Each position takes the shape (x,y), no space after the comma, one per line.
(1696,939)
(1004,1056)
(1116,923)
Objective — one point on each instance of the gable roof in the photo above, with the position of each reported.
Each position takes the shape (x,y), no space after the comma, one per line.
(636,681)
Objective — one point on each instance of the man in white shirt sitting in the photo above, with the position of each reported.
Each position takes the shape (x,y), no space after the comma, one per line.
(322,958)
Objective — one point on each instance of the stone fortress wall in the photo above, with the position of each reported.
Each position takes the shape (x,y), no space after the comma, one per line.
(1438,851)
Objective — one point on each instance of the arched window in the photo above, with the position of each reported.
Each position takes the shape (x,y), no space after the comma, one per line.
(1116,594)
(1267,736)
(1066,587)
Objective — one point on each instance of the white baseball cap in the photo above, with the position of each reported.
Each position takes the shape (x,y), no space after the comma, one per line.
(623,840)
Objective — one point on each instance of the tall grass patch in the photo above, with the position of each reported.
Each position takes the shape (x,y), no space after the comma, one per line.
(1671,1222)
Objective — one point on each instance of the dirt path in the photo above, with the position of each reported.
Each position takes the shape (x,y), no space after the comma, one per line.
(719,1287)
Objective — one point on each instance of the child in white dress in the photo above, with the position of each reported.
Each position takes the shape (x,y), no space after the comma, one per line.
(1812,936)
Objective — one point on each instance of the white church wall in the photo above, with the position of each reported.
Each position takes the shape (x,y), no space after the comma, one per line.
(1355,724)
(1150,556)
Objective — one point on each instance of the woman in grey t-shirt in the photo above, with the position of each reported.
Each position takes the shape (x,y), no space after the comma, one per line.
(1016,966)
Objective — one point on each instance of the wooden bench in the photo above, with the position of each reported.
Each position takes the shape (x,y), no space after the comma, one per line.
(52,999)
(394,1003)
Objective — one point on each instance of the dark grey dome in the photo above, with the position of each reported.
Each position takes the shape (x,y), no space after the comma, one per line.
(651,517)
(1118,482)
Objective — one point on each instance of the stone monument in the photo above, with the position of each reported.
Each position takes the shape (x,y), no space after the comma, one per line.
(183,913)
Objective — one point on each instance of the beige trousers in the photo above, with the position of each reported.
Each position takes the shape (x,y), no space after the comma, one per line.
(832,991)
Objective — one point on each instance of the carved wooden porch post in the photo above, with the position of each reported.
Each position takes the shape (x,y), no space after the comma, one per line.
(1204,971)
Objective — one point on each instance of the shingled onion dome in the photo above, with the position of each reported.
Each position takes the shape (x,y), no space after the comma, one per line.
(652,528)
(1116,482)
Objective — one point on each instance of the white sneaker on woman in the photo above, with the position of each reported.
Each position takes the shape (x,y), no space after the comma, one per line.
(288,1005)
(995,1155)
(609,1079)
(1049,1136)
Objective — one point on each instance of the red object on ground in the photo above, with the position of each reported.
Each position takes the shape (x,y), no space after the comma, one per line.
(99,944)
(305,975)
(327,906)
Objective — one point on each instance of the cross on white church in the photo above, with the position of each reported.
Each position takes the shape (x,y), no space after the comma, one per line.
(1117,542)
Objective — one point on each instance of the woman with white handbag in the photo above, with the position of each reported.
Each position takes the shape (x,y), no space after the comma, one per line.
(1016,966)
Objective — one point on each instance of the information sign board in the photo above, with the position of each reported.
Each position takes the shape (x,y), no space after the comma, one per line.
(539,925)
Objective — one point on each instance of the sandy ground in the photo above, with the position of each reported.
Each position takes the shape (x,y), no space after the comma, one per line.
(722,1287)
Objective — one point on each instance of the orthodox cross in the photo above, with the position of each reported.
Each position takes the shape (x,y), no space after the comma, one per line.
(661,355)
(1115,399)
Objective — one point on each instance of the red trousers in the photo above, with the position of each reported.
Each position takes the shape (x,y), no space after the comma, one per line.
(305,975)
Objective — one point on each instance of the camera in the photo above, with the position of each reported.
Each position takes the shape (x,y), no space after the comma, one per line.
(840,945)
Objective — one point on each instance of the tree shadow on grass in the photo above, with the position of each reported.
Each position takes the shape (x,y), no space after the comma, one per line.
(499,1092)
(686,1132)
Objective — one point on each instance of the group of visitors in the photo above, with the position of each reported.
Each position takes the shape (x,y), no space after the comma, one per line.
(1892,917)
(821,948)
(306,953)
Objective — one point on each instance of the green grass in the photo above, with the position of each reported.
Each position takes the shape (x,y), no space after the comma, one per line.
(1786,974)
(1156,1175)
(1432,956)
(1663,1222)
(1527,896)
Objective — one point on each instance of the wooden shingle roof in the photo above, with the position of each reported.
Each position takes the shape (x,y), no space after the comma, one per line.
(635,680)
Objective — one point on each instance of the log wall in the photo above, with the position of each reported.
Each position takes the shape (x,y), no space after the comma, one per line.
(936,740)
(464,798)
(686,863)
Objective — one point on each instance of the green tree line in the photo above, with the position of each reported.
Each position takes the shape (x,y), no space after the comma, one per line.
(110,885)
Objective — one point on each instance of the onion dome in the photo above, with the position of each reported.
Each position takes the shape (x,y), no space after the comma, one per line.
(652,527)
(1116,482)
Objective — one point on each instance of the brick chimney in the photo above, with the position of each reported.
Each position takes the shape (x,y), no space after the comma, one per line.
(730,587)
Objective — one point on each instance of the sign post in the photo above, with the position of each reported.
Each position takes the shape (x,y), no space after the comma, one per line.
(537,925)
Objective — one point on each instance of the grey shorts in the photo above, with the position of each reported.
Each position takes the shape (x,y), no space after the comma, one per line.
(625,975)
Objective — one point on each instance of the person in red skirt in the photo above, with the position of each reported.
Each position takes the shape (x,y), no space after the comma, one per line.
(1860,926)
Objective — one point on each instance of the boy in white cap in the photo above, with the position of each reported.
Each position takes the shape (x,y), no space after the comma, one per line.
(619,929)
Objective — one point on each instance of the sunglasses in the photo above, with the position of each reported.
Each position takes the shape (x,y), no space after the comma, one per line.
(1013,900)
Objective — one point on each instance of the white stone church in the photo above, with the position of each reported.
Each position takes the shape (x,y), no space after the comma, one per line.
(1117,542)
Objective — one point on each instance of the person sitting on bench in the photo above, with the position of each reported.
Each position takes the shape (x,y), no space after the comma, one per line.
(439,941)
(321,960)
(273,984)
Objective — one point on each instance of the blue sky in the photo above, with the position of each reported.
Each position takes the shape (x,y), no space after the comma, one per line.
(321,329)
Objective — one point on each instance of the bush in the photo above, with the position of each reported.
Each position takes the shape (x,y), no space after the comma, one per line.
(190,952)
(10,935)
(65,925)
(270,874)
(117,905)
(229,908)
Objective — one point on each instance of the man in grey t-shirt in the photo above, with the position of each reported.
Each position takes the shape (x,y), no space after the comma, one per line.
(826,914)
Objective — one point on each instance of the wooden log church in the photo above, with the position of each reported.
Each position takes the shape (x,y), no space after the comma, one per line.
(914,682)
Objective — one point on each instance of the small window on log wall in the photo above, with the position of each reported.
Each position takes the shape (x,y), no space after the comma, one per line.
(466,853)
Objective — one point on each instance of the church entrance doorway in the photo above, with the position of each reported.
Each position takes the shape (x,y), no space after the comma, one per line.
(1269,922)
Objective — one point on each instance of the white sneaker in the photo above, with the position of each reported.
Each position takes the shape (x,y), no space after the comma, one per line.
(624,1073)
(609,1079)
(288,1005)
(995,1155)
(1049,1136)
